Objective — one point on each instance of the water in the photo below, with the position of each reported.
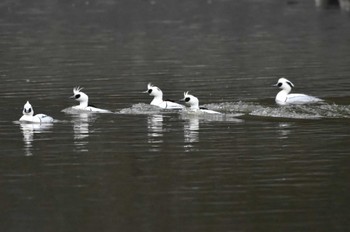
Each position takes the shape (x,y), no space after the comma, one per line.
(257,167)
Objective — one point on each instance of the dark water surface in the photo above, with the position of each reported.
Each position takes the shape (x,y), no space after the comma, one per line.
(144,169)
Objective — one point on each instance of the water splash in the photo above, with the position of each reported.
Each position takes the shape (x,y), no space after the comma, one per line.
(233,110)
(142,108)
(313,111)
(72,110)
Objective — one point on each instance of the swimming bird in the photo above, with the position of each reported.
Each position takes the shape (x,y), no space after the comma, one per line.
(158,98)
(193,104)
(83,100)
(28,115)
(285,98)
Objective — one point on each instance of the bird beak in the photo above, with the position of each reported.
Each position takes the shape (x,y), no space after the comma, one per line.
(182,100)
(145,91)
(72,97)
(275,85)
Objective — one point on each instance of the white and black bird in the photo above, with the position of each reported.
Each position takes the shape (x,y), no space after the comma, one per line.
(158,99)
(193,104)
(83,100)
(284,97)
(28,115)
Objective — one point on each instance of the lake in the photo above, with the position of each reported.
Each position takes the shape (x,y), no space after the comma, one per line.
(256,167)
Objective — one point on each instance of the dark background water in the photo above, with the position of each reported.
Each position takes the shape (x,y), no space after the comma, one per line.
(278,169)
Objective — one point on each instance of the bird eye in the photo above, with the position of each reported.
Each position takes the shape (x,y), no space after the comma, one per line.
(187,99)
(279,84)
(29,110)
(150,91)
(77,96)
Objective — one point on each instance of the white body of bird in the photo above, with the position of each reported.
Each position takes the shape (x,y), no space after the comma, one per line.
(158,99)
(193,105)
(29,117)
(83,100)
(284,97)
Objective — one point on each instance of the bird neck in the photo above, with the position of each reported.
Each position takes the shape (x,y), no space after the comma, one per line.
(194,107)
(83,104)
(284,91)
(157,99)
(281,96)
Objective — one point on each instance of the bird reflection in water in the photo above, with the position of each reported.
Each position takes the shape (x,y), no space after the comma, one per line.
(155,131)
(81,123)
(28,131)
(191,125)
(191,132)
(284,129)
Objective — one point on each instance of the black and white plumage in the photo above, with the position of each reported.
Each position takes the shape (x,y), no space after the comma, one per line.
(83,100)
(193,104)
(29,117)
(284,97)
(158,98)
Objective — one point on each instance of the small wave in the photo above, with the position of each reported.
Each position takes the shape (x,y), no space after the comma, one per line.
(233,107)
(188,115)
(317,111)
(142,108)
(310,111)
(284,112)
(238,109)
(71,110)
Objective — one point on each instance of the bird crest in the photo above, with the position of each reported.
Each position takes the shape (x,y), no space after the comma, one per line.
(27,105)
(290,84)
(150,85)
(282,79)
(77,89)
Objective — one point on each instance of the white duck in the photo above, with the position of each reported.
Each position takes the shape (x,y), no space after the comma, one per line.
(285,98)
(193,104)
(158,98)
(83,100)
(28,115)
